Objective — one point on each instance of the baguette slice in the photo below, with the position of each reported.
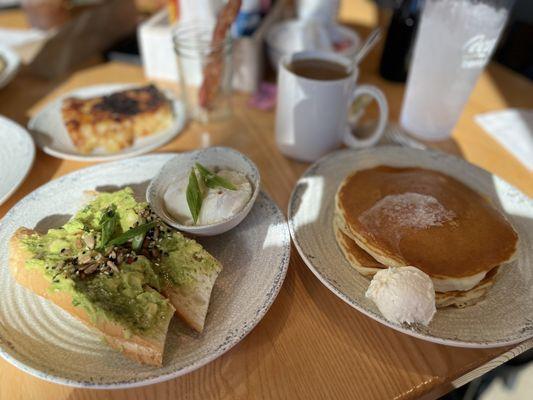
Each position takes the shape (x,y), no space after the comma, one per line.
(144,349)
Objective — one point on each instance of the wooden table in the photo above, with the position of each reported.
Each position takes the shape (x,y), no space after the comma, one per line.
(310,344)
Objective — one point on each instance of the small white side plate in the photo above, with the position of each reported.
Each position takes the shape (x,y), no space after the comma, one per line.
(52,137)
(12,64)
(17,153)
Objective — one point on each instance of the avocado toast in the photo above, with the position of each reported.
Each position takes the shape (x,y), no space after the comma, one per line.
(120,270)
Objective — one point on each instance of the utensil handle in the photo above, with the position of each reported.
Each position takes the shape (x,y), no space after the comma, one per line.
(369,44)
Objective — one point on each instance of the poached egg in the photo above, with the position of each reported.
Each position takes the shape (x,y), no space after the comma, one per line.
(218,203)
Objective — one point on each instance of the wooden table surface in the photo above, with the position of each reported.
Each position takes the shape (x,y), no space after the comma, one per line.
(310,344)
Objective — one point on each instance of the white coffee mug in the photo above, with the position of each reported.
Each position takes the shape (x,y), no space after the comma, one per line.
(312,115)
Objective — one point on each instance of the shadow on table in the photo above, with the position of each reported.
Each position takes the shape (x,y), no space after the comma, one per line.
(21,94)
(508,374)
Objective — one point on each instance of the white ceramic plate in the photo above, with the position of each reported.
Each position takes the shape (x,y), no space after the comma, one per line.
(52,137)
(41,339)
(11,62)
(17,152)
(504,317)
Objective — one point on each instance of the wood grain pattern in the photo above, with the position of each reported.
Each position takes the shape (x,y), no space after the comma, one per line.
(310,344)
(13,19)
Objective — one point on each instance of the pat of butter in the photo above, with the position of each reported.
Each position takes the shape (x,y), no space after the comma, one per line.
(218,204)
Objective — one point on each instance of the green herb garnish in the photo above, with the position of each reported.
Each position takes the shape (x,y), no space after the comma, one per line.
(137,241)
(194,196)
(213,180)
(108,222)
(132,233)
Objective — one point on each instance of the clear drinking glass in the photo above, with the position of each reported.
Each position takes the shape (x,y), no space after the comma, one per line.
(454,42)
(205,71)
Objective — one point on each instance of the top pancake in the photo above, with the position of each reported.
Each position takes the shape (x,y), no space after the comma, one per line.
(367,266)
(414,216)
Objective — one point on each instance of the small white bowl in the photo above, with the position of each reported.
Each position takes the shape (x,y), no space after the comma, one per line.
(221,157)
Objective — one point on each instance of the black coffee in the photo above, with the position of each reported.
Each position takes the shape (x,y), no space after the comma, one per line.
(318,69)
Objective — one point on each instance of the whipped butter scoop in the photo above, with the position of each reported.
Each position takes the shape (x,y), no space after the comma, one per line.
(403,295)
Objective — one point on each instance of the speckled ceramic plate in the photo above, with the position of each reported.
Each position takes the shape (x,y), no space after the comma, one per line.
(17,152)
(504,317)
(9,65)
(41,339)
(52,137)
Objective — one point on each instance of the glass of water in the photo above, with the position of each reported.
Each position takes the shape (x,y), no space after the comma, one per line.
(455,40)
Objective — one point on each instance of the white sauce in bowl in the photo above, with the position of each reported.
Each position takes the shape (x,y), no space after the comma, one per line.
(218,204)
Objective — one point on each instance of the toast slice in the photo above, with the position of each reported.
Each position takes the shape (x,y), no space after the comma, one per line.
(199,270)
(187,271)
(114,121)
(146,348)
(127,291)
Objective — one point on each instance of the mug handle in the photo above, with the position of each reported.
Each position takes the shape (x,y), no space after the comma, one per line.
(349,139)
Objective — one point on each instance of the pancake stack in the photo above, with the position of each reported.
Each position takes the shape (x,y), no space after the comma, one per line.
(397,217)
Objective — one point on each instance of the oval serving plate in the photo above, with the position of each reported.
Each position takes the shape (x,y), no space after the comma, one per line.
(504,317)
(52,137)
(41,339)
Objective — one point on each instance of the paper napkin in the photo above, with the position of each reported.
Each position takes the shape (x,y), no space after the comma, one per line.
(513,129)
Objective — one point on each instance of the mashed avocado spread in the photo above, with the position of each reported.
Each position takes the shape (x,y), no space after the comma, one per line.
(114,257)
